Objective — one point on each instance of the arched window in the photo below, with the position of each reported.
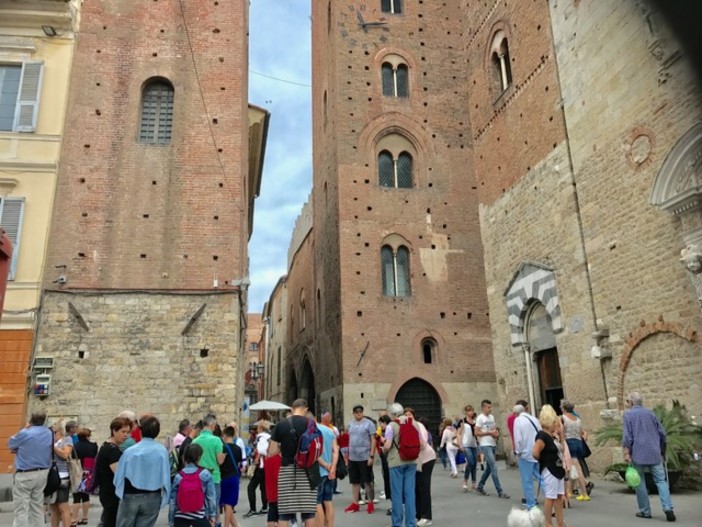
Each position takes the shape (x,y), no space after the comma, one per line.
(279,364)
(500,62)
(156,113)
(428,351)
(395,80)
(395,271)
(395,173)
(391,6)
(303,311)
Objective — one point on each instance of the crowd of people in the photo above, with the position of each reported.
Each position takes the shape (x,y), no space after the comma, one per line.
(197,474)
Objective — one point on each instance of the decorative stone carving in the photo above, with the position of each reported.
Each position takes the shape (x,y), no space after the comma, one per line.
(661,43)
(691,256)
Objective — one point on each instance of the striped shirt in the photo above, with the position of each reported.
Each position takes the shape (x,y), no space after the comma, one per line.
(643,436)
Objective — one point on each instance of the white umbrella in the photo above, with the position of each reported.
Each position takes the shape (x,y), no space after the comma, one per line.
(271,406)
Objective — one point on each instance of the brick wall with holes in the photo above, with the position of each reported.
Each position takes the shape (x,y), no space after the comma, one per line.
(135,215)
(131,215)
(437,218)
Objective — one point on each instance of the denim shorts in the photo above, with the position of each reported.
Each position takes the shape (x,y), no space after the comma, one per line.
(576,448)
(325,489)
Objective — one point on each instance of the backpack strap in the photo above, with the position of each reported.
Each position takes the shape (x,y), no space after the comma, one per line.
(231,454)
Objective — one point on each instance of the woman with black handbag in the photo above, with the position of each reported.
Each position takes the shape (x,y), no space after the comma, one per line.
(63,445)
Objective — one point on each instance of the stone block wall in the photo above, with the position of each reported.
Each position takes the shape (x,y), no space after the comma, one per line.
(135,357)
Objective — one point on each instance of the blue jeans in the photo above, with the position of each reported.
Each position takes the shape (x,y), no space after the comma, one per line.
(658,473)
(491,468)
(139,510)
(471,453)
(402,482)
(529,471)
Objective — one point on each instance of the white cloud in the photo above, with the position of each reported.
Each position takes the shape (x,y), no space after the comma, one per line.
(280,46)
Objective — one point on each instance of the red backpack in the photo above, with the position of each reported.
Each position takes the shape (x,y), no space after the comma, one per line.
(407,444)
(309,445)
(191,495)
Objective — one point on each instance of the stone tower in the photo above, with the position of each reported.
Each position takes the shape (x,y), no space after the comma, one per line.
(401,310)
(144,302)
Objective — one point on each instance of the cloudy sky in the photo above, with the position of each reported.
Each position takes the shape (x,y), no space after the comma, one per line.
(280,47)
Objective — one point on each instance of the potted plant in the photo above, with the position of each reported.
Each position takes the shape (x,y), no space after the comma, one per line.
(684,437)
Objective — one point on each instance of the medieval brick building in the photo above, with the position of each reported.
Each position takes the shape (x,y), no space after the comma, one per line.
(144,303)
(535,161)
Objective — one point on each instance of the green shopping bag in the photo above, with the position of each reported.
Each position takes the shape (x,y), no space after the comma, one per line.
(632,477)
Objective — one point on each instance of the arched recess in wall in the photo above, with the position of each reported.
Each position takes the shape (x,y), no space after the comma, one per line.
(423,398)
(531,282)
(411,130)
(498,60)
(292,390)
(639,335)
(307,383)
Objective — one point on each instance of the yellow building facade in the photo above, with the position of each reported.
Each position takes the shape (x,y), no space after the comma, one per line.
(36,51)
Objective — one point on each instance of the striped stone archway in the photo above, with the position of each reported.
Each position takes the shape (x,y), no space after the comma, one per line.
(531,282)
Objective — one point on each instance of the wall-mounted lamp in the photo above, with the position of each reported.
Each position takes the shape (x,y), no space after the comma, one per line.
(49,31)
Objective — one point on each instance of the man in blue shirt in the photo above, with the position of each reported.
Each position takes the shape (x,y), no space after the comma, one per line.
(644,442)
(33,448)
(143,478)
(327,472)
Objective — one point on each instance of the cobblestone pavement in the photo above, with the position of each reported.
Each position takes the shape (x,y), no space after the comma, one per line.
(612,505)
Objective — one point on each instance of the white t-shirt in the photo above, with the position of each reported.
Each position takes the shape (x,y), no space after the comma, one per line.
(486,423)
(468,439)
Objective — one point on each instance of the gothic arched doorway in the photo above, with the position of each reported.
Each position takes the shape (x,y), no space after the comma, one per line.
(424,399)
(292,388)
(307,390)
(542,343)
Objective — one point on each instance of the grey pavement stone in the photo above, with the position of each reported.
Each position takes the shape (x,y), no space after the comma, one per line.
(612,505)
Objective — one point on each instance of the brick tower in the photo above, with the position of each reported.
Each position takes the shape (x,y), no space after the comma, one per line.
(147,257)
(400,289)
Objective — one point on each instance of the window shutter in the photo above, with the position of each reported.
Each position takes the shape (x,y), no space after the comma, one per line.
(388,82)
(385,170)
(387,271)
(403,278)
(402,81)
(11,213)
(28,97)
(404,171)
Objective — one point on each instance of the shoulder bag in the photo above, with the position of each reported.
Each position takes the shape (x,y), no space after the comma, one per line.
(53,480)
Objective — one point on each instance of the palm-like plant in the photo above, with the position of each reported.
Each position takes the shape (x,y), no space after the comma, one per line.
(683,436)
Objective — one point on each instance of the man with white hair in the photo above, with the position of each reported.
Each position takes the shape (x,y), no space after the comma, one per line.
(402,472)
(526,427)
(644,443)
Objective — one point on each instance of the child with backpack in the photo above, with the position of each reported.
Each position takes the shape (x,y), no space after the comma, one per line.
(193,497)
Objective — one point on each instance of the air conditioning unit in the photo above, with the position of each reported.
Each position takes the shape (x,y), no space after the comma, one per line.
(43,363)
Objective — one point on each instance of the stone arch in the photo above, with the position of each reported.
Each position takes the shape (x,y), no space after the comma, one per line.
(307,383)
(381,56)
(531,282)
(678,184)
(398,123)
(636,337)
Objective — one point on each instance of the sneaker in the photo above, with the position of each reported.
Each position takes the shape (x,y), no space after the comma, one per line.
(523,501)
(481,491)
(670,516)
(423,522)
(376,500)
(250,514)
(382,495)
(503,495)
(361,502)
(354,507)
(338,492)
(371,507)
(589,487)
(465,488)
(583,498)
(389,513)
